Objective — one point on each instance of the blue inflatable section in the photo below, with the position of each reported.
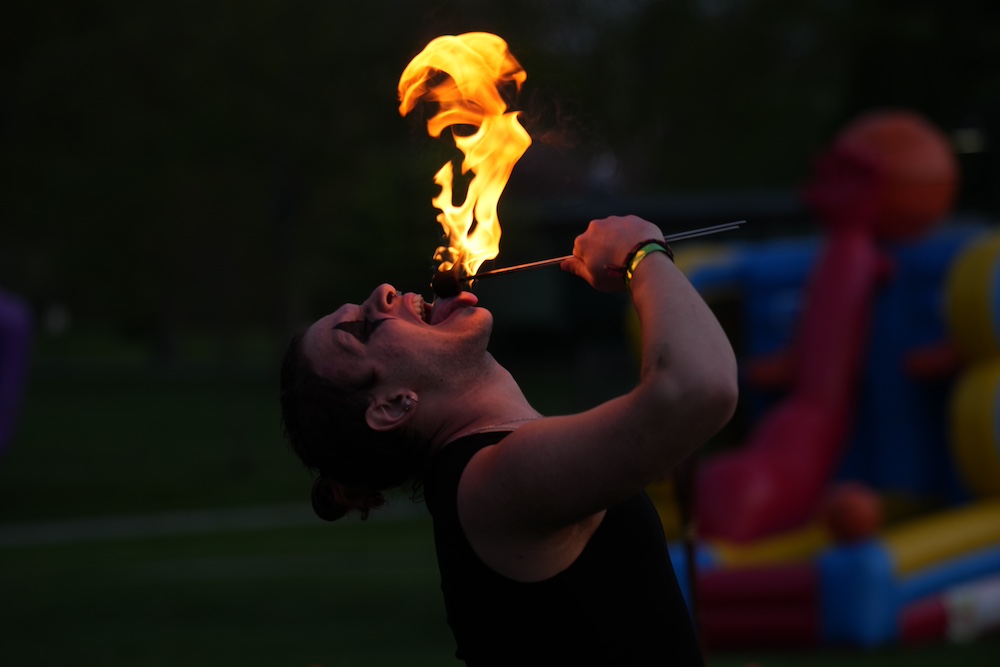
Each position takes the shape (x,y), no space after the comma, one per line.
(704,560)
(862,597)
(900,439)
(967,567)
(901,442)
(858,597)
(995,290)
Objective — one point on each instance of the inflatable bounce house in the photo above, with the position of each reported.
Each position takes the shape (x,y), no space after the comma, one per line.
(863,505)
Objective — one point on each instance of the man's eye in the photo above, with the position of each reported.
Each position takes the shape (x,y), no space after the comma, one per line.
(371,325)
(360,329)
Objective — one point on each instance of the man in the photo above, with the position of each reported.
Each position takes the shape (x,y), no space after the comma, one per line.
(549,550)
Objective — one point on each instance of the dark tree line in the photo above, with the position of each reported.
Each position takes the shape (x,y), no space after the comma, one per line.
(178,166)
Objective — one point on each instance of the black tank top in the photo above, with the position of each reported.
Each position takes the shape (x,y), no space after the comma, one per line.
(618,604)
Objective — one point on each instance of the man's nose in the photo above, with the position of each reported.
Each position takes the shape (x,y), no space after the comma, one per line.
(382,297)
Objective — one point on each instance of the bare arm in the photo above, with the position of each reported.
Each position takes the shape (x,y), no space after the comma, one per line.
(559,471)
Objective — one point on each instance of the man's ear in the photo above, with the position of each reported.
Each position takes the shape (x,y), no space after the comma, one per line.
(391,409)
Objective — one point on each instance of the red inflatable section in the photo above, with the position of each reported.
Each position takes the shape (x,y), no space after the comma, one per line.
(919,171)
(761,606)
(778,478)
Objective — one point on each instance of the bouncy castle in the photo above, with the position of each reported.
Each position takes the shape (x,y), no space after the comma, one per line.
(863,506)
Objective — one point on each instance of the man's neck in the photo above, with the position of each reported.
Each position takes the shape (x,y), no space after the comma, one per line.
(490,401)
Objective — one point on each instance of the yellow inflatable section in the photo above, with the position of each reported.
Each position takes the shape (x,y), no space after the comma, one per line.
(790,547)
(973,310)
(922,543)
(972,300)
(975,428)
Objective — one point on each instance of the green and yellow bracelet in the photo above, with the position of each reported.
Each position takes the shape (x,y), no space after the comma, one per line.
(641,252)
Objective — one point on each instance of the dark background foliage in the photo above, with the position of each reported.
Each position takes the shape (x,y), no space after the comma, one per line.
(224,167)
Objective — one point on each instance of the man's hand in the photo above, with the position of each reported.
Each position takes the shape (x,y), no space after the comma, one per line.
(598,253)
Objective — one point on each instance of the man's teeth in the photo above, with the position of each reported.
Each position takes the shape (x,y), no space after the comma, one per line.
(421,307)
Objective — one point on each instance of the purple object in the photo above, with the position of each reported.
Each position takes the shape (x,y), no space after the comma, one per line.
(15,334)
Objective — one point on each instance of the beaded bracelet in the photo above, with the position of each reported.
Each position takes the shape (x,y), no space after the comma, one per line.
(641,252)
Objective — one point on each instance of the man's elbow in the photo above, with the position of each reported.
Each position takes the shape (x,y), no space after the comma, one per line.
(721,398)
(713,397)
(705,400)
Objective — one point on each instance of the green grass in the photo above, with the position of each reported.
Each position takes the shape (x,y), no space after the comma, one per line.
(134,441)
(342,594)
(332,594)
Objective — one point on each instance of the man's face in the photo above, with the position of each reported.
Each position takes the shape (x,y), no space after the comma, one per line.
(397,336)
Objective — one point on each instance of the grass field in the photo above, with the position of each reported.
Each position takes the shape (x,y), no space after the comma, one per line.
(154,518)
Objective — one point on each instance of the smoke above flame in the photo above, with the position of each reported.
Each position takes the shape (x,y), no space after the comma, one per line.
(463,75)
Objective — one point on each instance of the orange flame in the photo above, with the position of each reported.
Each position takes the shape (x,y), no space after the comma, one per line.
(477,64)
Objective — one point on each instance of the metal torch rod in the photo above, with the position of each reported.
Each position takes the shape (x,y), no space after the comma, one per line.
(679,236)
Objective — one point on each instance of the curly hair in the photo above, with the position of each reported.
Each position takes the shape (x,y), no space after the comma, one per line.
(324,424)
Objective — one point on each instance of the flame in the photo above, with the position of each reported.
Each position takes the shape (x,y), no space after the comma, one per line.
(476,65)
